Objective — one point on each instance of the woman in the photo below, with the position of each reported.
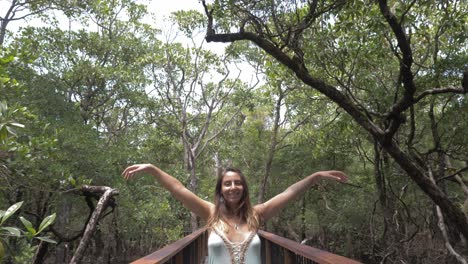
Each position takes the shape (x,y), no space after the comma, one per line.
(232,220)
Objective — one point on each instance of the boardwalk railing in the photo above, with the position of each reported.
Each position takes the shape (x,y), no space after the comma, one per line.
(279,250)
(192,249)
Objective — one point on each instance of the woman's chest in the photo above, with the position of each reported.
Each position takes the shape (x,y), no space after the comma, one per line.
(221,250)
(237,236)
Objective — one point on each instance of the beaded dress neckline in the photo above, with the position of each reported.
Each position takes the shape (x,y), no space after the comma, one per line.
(237,250)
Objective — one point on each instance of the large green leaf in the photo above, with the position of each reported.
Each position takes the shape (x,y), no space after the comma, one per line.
(46,239)
(10,211)
(16,124)
(46,222)
(12,230)
(28,225)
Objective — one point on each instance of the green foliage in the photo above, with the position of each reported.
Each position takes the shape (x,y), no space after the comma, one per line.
(30,233)
(6,124)
(107,92)
(7,115)
(189,22)
(9,212)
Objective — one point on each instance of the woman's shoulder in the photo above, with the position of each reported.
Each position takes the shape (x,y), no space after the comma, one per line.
(211,208)
(259,210)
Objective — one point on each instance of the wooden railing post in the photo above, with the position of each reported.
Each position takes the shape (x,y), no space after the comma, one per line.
(267,251)
(288,257)
(179,258)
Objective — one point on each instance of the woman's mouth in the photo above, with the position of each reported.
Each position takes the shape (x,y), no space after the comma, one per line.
(233,195)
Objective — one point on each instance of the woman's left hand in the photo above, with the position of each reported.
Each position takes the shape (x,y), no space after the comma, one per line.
(331,175)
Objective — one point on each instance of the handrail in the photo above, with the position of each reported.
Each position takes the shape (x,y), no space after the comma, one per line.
(177,250)
(192,249)
(293,252)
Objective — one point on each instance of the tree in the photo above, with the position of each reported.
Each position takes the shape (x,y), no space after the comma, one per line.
(22,9)
(83,90)
(194,104)
(297,35)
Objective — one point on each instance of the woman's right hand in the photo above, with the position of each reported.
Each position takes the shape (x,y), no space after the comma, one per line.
(192,202)
(131,171)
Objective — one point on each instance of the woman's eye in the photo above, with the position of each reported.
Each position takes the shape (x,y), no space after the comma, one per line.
(237,183)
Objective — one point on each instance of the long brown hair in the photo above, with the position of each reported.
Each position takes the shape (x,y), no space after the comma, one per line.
(244,210)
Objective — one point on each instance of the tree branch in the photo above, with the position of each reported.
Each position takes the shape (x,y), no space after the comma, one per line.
(328,90)
(100,207)
(405,70)
(453,174)
(440,91)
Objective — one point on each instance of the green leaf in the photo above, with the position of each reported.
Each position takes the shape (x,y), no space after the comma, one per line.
(10,211)
(72,181)
(46,222)
(4,79)
(16,124)
(46,239)
(3,133)
(10,131)
(28,226)
(12,230)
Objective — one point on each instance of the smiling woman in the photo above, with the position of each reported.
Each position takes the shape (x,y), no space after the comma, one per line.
(232,188)
(232,220)
(233,224)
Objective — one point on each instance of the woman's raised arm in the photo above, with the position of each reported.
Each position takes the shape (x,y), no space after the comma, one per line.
(273,206)
(190,201)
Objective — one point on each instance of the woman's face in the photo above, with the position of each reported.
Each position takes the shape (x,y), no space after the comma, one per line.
(232,188)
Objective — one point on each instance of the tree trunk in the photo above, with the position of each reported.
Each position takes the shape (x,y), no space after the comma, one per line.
(444,231)
(219,165)
(193,187)
(3,26)
(438,197)
(100,207)
(272,148)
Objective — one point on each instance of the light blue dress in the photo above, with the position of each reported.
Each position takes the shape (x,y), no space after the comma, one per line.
(223,251)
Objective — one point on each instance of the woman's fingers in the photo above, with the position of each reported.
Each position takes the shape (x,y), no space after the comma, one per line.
(130,171)
(339,176)
(343,177)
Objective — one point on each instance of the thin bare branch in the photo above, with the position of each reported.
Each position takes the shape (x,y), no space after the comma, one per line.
(440,91)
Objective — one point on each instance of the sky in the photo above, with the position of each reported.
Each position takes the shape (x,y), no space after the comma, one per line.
(165,7)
